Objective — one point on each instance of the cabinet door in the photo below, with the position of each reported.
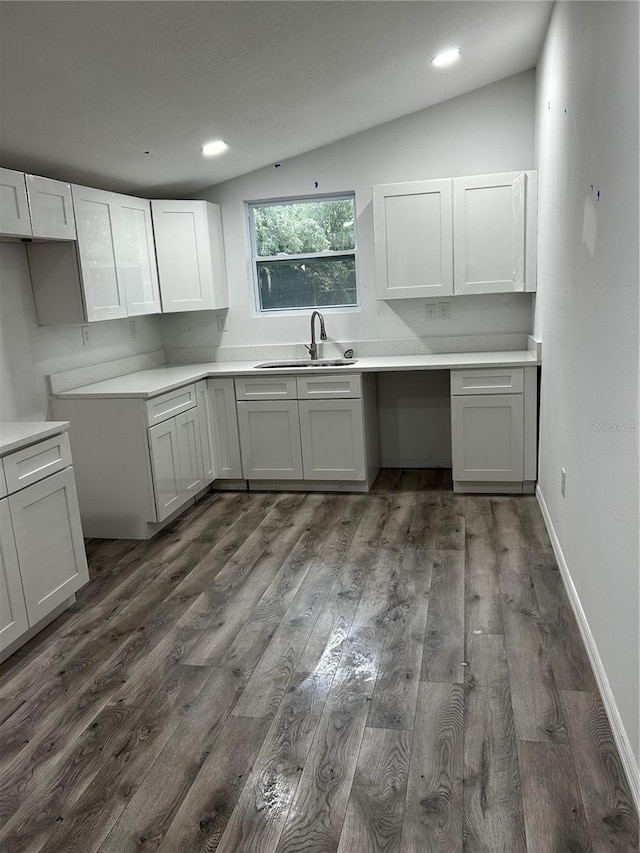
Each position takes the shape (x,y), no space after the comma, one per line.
(270,439)
(190,255)
(189,453)
(487,437)
(489,234)
(206,432)
(95,222)
(51,208)
(332,433)
(165,465)
(413,239)
(13,613)
(14,209)
(226,442)
(48,534)
(136,255)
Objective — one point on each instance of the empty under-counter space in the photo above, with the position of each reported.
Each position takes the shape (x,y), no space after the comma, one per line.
(414,419)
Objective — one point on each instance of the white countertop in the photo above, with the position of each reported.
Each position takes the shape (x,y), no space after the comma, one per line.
(13,436)
(150,383)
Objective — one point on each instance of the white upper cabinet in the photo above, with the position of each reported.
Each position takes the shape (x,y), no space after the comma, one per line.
(413,240)
(51,208)
(135,255)
(96,212)
(494,232)
(110,272)
(456,236)
(190,251)
(14,208)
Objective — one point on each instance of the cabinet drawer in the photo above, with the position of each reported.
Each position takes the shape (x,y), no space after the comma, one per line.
(329,387)
(167,405)
(266,388)
(493,381)
(34,463)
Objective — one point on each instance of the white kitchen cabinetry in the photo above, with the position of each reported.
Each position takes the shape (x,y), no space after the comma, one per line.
(51,209)
(176,462)
(493,429)
(332,434)
(494,232)
(13,612)
(413,239)
(109,273)
(270,439)
(42,558)
(456,236)
(205,422)
(320,429)
(14,207)
(136,255)
(190,251)
(138,461)
(103,289)
(48,534)
(224,423)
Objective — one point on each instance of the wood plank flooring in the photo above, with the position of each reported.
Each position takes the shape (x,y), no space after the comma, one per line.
(397,672)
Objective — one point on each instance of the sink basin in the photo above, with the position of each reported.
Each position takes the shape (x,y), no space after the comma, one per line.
(320,362)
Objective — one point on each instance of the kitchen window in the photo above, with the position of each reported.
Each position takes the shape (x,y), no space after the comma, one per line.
(304,253)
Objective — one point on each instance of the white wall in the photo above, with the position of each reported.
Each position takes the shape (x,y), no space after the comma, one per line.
(28,352)
(489,130)
(587,316)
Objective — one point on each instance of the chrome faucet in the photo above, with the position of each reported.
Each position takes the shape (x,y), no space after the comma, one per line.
(313,349)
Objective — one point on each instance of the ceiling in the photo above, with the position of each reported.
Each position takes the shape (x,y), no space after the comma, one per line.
(122,95)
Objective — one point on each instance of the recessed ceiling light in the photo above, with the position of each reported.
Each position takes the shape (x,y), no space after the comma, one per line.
(210,149)
(447,57)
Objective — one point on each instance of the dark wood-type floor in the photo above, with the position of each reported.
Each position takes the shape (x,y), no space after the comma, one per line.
(312,673)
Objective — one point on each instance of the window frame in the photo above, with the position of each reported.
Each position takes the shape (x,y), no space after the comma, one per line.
(251,205)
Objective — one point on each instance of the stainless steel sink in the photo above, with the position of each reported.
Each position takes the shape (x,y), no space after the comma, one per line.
(319,362)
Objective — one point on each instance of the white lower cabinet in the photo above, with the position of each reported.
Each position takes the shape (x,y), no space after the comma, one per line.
(163,447)
(48,535)
(270,439)
(493,435)
(42,557)
(325,430)
(190,453)
(139,461)
(13,612)
(205,423)
(332,435)
(176,461)
(487,434)
(224,424)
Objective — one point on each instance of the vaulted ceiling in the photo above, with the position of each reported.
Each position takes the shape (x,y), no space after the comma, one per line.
(122,95)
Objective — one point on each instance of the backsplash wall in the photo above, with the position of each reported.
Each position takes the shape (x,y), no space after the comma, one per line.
(28,352)
(489,130)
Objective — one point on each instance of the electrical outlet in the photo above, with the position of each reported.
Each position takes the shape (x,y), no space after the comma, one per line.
(220,320)
(444,310)
(85,335)
(431,311)
(133,331)
(563,481)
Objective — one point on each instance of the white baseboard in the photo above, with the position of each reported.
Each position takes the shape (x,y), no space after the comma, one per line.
(617,727)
